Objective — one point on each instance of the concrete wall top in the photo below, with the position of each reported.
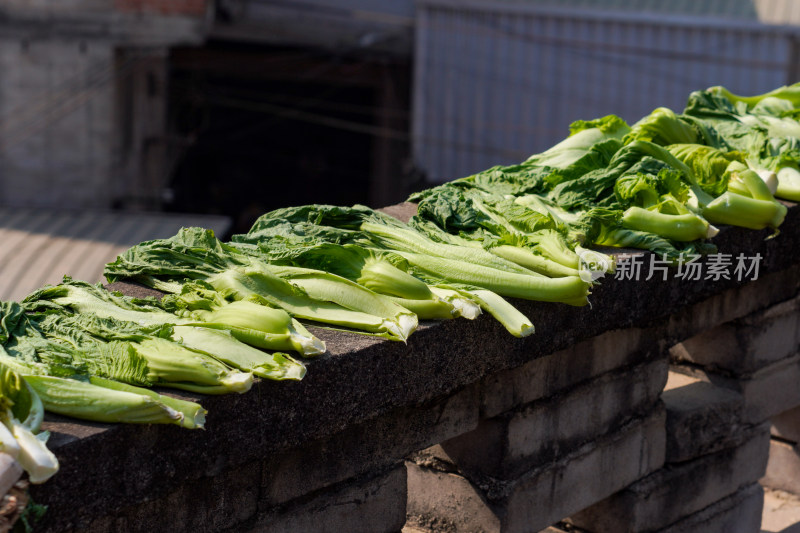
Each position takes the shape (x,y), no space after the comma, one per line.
(363,377)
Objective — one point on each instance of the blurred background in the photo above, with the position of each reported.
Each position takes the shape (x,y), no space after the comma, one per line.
(120,117)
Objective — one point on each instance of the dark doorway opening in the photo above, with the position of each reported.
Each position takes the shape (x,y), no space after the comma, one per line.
(266,128)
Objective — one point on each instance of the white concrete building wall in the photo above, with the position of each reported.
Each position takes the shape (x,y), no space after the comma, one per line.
(56,122)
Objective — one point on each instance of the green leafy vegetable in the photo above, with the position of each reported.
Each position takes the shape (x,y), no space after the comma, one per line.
(584,137)
(75,297)
(240,277)
(251,323)
(21,414)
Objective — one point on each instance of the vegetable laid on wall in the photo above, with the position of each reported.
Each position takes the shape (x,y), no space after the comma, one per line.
(236,311)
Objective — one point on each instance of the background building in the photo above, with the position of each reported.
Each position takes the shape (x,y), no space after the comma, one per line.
(230,108)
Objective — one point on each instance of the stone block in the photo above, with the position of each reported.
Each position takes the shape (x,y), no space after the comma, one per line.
(545,494)
(210,504)
(231,500)
(545,376)
(506,446)
(743,346)
(372,505)
(767,392)
(786,425)
(680,490)
(783,468)
(769,289)
(740,512)
(701,417)
(368,446)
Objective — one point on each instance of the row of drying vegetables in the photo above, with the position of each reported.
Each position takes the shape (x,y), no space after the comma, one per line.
(233,310)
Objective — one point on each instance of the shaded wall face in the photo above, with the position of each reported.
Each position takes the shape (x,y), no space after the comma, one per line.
(56,122)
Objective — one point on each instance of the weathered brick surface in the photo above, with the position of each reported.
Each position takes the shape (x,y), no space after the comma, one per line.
(545,494)
(369,446)
(767,392)
(744,346)
(701,417)
(680,490)
(548,375)
(783,468)
(232,501)
(772,390)
(739,513)
(372,505)
(505,446)
(229,493)
(211,504)
(769,289)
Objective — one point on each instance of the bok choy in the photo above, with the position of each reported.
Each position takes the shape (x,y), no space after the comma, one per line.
(21,415)
(195,253)
(66,386)
(75,297)
(124,351)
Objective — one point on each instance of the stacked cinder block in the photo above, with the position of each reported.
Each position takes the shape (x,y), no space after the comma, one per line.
(758,356)
(352,480)
(547,446)
(783,468)
(725,385)
(710,480)
(355,480)
(556,434)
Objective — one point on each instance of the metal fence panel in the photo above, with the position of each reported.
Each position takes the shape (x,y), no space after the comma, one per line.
(496,83)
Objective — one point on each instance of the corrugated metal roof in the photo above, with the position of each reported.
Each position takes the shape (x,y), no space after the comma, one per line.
(38,247)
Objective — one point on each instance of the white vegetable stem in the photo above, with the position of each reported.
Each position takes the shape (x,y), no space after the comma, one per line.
(8,444)
(39,462)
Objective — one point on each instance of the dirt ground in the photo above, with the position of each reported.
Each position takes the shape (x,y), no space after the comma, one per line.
(781,512)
